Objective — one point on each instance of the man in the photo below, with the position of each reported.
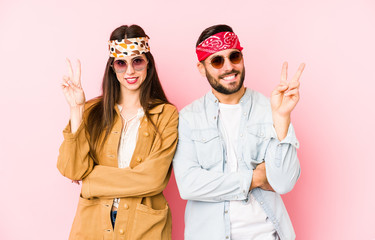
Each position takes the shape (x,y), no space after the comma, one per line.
(237,149)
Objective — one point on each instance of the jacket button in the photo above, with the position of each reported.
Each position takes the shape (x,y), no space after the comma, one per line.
(121,231)
(146,134)
(126,206)
(139,159)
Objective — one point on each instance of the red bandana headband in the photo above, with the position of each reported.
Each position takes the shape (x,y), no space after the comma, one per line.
(218,42)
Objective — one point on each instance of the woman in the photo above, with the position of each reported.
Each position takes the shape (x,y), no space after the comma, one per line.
(120,145)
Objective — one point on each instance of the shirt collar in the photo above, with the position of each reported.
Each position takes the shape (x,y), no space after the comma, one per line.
(245,99)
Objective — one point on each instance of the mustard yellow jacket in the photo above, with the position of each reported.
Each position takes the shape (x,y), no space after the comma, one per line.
(143,212)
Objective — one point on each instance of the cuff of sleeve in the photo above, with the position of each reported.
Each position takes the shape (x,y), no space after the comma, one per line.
(290,137)
(246,177)
(67,132)
(85,190)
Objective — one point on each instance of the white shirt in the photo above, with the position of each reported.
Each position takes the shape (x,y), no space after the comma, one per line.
(248,220)
(128,140)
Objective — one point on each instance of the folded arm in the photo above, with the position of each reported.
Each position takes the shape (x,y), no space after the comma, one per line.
(196,183)
(74,161)
(282,165)
(146,179)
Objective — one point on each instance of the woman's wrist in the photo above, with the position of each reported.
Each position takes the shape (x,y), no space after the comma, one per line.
(76,116)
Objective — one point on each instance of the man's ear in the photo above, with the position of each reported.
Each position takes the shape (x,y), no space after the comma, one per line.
(201,69)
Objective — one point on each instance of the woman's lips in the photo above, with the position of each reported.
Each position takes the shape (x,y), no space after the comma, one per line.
(131,80)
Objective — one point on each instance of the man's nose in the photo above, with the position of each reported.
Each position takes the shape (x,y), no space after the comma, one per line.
(227,66)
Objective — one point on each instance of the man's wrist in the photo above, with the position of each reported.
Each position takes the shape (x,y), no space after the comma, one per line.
(255,180)
(281,124)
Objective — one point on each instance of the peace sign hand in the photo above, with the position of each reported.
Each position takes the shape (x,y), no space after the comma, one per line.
(286,95)
(72,87)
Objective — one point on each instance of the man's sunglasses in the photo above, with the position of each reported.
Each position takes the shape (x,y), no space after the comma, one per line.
(121,65)
(218,61)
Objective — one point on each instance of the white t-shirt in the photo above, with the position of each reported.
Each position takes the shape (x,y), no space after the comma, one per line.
(248,220)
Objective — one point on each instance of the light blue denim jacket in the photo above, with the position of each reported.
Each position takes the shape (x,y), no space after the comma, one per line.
(202,174)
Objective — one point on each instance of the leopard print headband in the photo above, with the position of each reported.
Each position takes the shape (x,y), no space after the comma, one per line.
(128,47)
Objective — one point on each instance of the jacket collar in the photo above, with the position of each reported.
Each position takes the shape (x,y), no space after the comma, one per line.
(213,105)
(156,110)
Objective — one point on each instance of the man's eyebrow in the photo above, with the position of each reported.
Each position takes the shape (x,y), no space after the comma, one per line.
(211,57)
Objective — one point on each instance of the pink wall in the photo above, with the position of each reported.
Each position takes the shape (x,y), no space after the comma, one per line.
(334,198)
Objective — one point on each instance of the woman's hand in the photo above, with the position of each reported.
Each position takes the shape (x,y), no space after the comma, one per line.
(74,95)
(72,87)
(76,182)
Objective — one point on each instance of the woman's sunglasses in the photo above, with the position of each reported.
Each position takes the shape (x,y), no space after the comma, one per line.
(121,65)
(218,61)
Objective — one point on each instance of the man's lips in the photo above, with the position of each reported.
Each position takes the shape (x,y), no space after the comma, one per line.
(131,80)
(229,77)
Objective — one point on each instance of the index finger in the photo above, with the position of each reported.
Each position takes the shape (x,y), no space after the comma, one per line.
(70,69)
(284,73)
(298,74)
(77,75)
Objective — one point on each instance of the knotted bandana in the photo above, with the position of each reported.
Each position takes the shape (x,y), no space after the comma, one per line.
(217,42)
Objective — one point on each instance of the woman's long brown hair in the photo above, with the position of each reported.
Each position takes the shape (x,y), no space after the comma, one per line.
(102,116)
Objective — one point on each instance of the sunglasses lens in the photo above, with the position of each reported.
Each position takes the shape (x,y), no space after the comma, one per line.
(139,64)
(235,57)
(217,62)
(120,66)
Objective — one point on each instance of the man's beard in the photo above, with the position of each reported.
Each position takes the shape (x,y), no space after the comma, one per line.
(215,83)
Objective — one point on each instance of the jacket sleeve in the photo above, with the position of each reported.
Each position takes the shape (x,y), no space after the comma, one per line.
(282,165)
(196,183)
(146,179)
(74,161)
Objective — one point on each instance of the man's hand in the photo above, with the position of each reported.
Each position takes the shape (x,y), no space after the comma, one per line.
(260,178)
(284,98)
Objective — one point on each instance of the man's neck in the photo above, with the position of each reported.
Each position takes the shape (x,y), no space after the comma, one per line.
(233,98)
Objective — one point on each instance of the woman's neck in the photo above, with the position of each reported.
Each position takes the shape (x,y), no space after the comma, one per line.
(130,100)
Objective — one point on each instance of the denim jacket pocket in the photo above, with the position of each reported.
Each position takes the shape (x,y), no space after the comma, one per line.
(208,145)
(259,136)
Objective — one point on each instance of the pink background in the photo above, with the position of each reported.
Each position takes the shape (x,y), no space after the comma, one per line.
(334,198)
